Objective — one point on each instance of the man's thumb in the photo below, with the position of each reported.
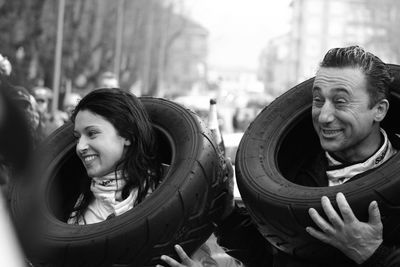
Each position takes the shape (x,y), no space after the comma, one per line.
(374,213)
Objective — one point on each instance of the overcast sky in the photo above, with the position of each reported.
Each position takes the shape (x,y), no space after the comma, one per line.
(239,29)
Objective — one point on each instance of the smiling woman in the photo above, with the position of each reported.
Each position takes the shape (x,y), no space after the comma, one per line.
(75,173)
(116,144)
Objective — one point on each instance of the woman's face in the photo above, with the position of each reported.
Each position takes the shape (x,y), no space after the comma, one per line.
(99,145)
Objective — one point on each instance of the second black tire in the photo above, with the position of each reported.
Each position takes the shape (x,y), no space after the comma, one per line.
(271,152)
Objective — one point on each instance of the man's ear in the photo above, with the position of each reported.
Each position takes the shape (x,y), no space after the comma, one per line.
(381,108)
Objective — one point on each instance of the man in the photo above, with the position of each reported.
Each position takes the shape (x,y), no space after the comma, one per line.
(48,120)
(108,80)
(350,100)
(43,96)
(70,102)
(16,115)
(27,103)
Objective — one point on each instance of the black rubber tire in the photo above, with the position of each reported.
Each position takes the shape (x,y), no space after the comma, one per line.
(183,209)
(270,153)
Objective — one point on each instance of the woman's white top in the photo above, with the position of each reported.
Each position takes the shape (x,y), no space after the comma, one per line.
(107,202)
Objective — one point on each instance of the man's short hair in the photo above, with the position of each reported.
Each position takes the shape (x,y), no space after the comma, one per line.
(108,79)
(376,71)
(41,92)
(108,75)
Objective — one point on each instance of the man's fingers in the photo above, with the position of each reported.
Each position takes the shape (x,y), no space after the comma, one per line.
(345,209)
(229,170)
(182,254)
(374,213)
(318,235)
(229,166)
(319,221)
(331,213)
(170,261)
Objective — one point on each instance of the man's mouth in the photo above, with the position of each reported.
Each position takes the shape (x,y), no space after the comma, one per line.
(330,132)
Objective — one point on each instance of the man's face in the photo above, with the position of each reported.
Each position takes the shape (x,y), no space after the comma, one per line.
(42,104)
(109,83)
(341,114)
(32,113)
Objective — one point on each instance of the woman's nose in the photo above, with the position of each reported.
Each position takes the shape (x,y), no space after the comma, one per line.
(81,145)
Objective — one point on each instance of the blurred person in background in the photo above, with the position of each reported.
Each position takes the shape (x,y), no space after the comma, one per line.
(108,80)
(49,120)
(17,119)
(15,146)
(70,102)
(28,105)
(43,96)
(242,119)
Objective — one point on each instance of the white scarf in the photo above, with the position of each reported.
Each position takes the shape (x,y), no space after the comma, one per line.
(341,175)
(107,200)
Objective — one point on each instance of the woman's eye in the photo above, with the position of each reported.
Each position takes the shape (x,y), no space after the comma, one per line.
(92,133)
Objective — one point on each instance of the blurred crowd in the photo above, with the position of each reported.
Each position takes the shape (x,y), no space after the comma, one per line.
(37,102)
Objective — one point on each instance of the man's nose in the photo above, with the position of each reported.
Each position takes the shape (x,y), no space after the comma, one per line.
(327,113)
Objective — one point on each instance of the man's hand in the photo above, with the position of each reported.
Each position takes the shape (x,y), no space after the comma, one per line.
(230,200)
(357,240)
(186,261)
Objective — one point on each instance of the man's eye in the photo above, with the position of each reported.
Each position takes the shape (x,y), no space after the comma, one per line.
(340,101)
(317,101)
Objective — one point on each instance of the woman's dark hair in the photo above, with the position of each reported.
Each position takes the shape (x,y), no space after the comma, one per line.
(140,165)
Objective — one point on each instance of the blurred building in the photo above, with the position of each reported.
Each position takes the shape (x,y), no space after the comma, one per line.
(240,96)
(186,64)
(317,26)
(276,66)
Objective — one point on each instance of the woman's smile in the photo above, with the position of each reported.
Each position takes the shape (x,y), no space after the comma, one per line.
(89,159)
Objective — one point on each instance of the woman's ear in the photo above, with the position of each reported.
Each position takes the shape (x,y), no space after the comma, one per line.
(127,142)
(382,108)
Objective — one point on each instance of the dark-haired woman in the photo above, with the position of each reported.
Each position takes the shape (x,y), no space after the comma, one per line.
(116,144)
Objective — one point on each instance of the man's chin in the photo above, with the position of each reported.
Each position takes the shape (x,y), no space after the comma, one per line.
(329,147)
